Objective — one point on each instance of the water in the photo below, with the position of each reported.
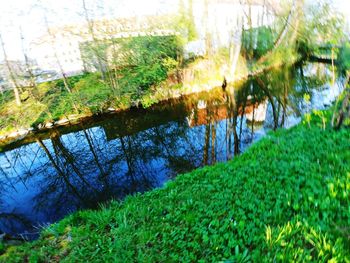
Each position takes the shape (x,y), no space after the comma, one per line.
(49,175)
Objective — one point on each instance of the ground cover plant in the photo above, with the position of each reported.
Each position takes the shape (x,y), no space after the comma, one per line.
(285,199)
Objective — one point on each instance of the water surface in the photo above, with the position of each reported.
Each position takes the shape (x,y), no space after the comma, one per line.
(52,174)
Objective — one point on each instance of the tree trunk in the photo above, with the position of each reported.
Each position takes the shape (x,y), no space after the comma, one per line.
(32,82)
(333,68)
(344,112)
(273,106)
(12,76)
(63,74)
(206,144)
(17,96)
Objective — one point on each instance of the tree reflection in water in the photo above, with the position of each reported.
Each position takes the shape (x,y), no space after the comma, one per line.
(82,166)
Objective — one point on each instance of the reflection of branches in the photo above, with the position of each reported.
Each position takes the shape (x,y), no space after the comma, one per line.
(13,221)
(91,146)
(8,180)
(232,109)
(170,143)
(244,98)
(59,171)
(132,164)
(206,144)
(12,162)
(271,100)
(68,157)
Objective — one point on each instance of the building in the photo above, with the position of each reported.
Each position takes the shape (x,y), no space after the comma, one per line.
(21,71)
(60,49)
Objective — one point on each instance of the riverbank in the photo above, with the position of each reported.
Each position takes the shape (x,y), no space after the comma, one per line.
(54,107)
(285,199)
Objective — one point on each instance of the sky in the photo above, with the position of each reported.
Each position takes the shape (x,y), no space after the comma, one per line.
(27,15)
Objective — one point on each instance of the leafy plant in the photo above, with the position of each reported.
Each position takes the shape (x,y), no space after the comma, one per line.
(285,199)
(148,61)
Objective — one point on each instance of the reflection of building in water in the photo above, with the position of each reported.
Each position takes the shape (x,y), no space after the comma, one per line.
(206,115)
(257,114)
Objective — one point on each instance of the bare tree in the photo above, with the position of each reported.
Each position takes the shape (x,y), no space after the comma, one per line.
(94,46)
(12,76)
(28,67)
(52,38)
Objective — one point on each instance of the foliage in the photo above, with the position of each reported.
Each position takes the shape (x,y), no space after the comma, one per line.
(321,26)
(343,60)
(94,55)
(185,21)
(341,114)
(277,58)
(148,62)
(72,81)
(286,199)
(93,93)
(264,41)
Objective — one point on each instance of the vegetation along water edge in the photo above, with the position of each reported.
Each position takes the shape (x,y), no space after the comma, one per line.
(285,199)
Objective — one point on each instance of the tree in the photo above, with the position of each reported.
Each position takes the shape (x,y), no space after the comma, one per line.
(94,45)
(341,113)
(28,67)
(52,38)
(12,76)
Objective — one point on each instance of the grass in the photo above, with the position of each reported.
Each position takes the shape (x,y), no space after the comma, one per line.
(49,102)
(285,199)
(52,102)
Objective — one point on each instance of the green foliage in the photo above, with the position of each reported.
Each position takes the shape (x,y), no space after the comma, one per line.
(6,96)
(148,62)
(341,115)
(343,60)
(92,93)
(185,21)
(94,55)
(321,25)
(148,100)
(71,81)
(145,63)
(280,56)
(2,247)
(264,38)
(286,200)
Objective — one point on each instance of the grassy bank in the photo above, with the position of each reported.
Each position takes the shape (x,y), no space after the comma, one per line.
(285,199)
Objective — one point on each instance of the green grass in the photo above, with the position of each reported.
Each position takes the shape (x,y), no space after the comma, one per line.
(49,102)
(285,199)
(90,95)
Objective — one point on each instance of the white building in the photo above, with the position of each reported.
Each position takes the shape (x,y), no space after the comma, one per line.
(224,20)
(59,49)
